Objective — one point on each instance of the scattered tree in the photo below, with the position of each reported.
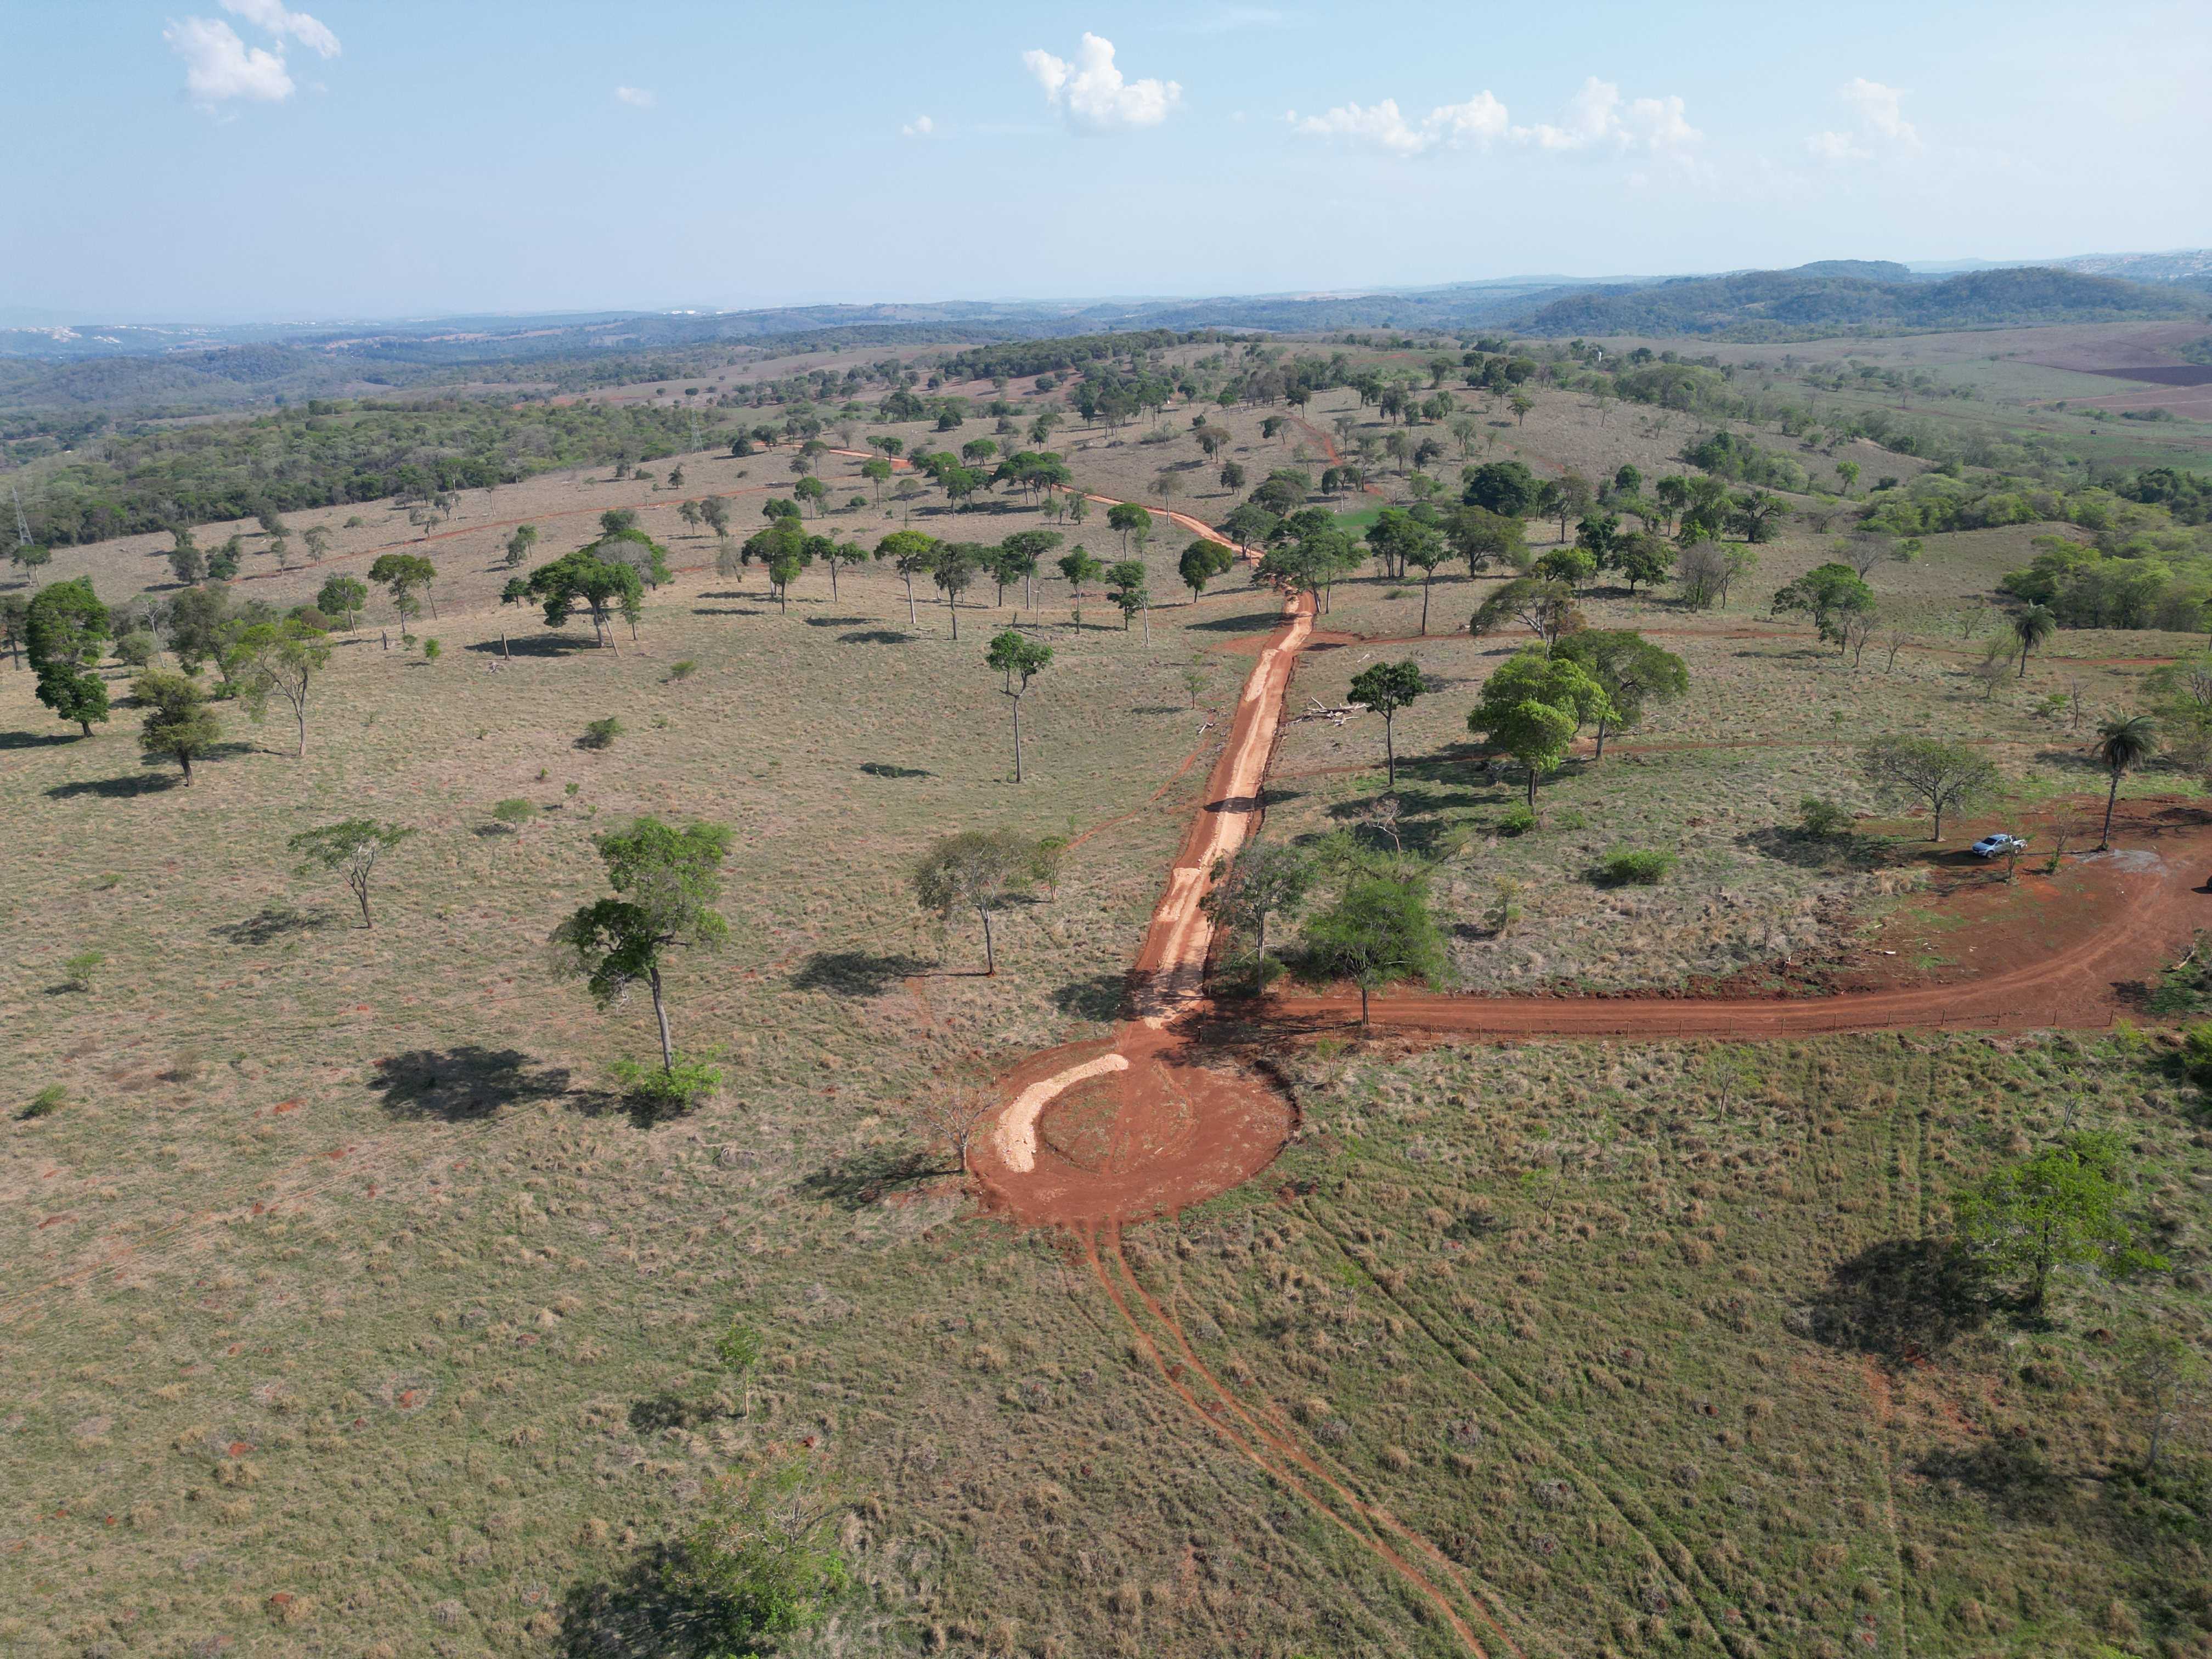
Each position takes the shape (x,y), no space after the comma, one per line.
(1021,659)
(343,596)
(976,870)
(1383,688)
(2062,1206)
(352,848)
(1262,879)
(1378,932)
(2123,745)
(62,628)
(283,660)
(1941,777)
(668,882)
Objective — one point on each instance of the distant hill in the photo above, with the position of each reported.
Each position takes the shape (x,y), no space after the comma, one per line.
(1827,299)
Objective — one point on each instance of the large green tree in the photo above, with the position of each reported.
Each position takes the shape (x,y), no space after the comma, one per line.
(1941,776)
(179,726)
(1262,878)
(668,883)
(2062,1206)
(582,578)
(1829,594)
(1533,705)
(1201,562)
(342,596)
(1378,932)
(1631,671)
(63,629)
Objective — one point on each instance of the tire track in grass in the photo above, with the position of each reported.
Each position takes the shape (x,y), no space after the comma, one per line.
(1486,1386)
(1484,1598)
(1168,1374)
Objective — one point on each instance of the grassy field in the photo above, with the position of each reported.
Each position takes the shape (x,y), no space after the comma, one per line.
(353,1313)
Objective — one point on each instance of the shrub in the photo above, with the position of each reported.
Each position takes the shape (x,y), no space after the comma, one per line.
(2196,1051)
(48,1100)
(1631,866)
(601,734)
(514,812)
(656,1094)
(1821,818)
(683,670)
(430,650)
(77,971)
(1519,821)
(136,649)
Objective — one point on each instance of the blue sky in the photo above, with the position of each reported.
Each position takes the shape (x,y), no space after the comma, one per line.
(238,159)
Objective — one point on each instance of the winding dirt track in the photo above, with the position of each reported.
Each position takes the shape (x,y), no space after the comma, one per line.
(1147,1123)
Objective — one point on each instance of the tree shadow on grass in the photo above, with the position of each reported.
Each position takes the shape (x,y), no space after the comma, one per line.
(1807,852)
(664,1411)
(124,788)
(1901,1299)
(1101,997)
(635,1612)
(876,636)
(885,769)
(461,1085)
(856,973)
(2009,1470)
(273,923)
(1252,622)
(817,622)
(866,1177)
(728,610)
(36,739)
(532,645)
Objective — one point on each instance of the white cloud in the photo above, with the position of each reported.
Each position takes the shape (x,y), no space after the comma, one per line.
(1838,147)
(1477,121)
(270,15)
(218,65)
(635,97)
(920,127)
(1093,92)
(1878,117)
(1881,111)
(1596,118)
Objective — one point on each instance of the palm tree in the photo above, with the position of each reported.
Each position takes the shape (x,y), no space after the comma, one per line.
(2031,627)
(2123,745)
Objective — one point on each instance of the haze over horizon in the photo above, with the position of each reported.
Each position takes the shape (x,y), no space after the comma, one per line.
(393,161)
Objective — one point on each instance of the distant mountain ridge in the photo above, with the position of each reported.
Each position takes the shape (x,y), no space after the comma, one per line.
(1833,297)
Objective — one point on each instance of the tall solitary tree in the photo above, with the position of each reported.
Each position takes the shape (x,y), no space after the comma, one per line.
(351,849)
(1383,688)
(2121,745)
(403,576)
(954,573)
(668,882)
(179,725)
(1081,570)
(1125,584)
(1630,670)
(911,553)
(1130,519)
(63,629)
(282,659)
(1021,659)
